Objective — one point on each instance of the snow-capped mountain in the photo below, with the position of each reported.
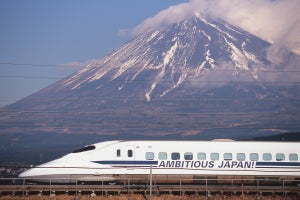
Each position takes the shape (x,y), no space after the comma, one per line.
(179,53)
(195,77)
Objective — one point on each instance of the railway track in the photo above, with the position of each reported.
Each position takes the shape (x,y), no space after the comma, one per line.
(144,189)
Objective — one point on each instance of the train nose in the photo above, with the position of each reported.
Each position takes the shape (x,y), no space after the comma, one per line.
(31,173)
(25,174)
(40,172)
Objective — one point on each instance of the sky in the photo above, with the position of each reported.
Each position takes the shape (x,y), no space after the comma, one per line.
(39,39)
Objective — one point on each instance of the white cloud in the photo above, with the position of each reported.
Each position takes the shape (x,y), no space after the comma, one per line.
(276,21)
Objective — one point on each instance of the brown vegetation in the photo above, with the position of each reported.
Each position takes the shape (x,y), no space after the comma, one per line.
(160,197)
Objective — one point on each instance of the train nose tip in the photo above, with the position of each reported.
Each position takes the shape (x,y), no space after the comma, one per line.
(25,174)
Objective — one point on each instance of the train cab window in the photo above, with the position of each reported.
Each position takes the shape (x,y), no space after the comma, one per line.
(227,156)
(175,156)
(280,157)
(267,156)
(149,156)
(188,156)
(240,156)
(162,156)
(118,153)
(214,156)
(129,153)
(86,148)
(201,156)
(254,156)
(293,157)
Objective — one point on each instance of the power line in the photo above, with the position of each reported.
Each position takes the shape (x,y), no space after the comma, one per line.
(32,65)
(168,81)
(30,77)
(196,99)
(148,125)
(89,66)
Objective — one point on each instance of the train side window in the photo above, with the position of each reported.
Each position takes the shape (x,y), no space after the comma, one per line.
(162,156)
(175,156)
(214,156)
(201,156)
(188,156)
(280,157)
(293,157)
(240,156)
(149,156)
(227,156)
(129,153)
(118,153)
(267,156)
(254,156)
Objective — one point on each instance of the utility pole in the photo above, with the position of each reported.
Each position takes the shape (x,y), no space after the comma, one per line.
(150,182)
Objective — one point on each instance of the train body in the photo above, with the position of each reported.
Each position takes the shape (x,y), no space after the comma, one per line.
(115,160)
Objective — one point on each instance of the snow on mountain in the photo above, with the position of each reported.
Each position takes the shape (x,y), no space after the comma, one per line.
(176,53)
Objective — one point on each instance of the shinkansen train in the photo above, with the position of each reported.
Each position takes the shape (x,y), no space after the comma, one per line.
(113,161)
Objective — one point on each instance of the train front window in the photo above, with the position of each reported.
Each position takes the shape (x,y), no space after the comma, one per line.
(86,148)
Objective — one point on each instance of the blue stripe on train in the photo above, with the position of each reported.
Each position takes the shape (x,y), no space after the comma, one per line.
(152,162)
(127,162)
(277,164)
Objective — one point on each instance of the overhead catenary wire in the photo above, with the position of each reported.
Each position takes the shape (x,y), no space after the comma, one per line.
(168,81)
(149,125)
(90,66)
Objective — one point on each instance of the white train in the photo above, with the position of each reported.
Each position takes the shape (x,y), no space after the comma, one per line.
(115,160)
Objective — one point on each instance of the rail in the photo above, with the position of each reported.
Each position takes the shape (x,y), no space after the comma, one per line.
(207,187)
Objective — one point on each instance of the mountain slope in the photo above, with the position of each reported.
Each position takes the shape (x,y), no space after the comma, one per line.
(197,77)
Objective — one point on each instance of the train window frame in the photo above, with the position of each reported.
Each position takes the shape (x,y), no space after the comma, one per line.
(227,156)
(118,153)
(175,156)
(280,157)
(201,156)
(214,156)
(240,156)
(293,157)
(162,156)
(149,156)
(254,156)
(267,156)
(188,156)
(130,153)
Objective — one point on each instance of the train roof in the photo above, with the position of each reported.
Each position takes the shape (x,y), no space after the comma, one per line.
(223,141)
